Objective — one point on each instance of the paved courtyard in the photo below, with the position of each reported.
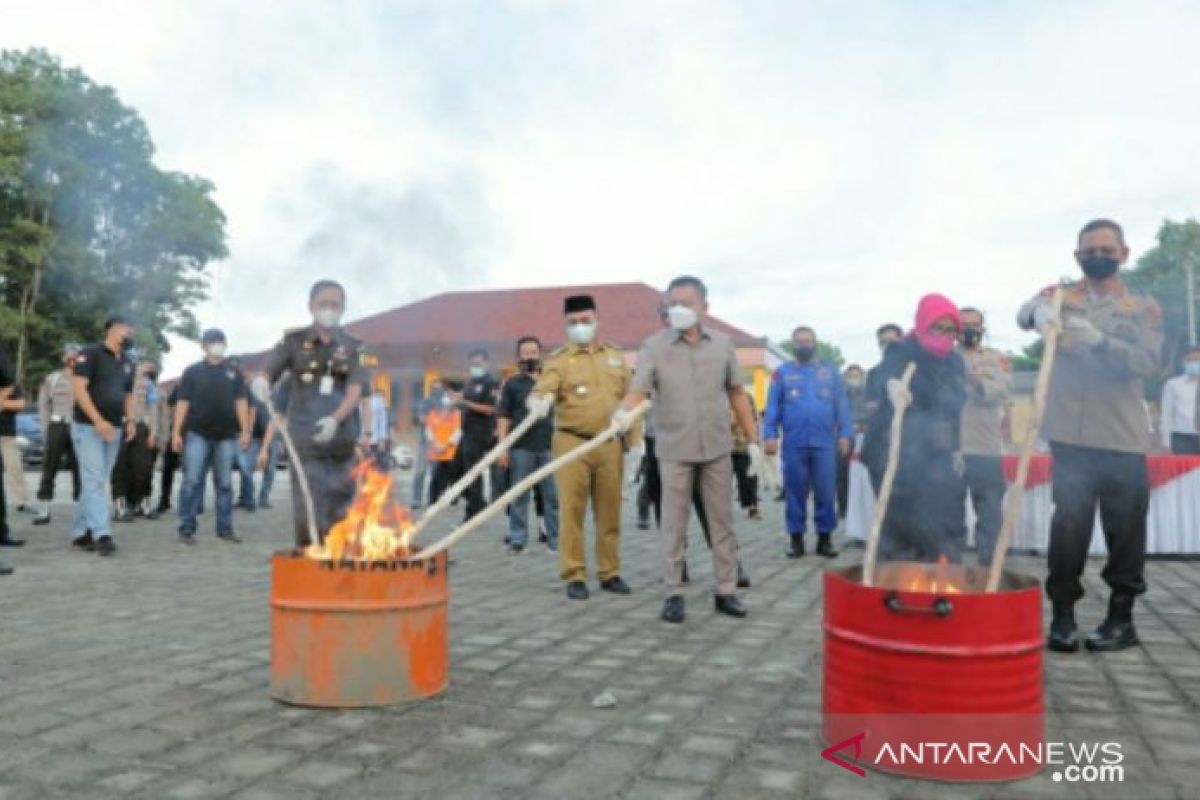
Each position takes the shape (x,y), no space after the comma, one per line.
(146,675)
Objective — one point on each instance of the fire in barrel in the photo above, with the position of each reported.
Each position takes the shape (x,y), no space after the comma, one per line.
(943,678)
(354,622)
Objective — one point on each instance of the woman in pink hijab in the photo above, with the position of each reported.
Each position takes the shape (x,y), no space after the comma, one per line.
(926,515)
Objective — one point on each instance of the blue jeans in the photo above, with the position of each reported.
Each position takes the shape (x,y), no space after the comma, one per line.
(268,478)
(96,458)
(246,461)
(524,463)
(199,454)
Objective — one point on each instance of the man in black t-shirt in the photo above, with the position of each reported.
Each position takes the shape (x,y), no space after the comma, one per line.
(213,406)
(531,451)
(103,385)
(478,404)
(6,387)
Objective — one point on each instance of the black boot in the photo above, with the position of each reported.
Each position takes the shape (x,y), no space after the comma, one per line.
(1116,632)
(797,548)
(825,547)
(743,580)
(1064,636)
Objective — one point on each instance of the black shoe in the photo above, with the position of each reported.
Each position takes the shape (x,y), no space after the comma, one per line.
(797,548)
(106,546)
(84,542)
(5,569)
(643,525)
(246,506)
(543,538)
(673,609)
(230,537)
(577,590)
(515,549)
(42,519)
(825,547)
(683,576)
(8,541)
(615,585)
(729,604)
(267,504)
(187,538)
(743,581)
(1116,631)
(1064,636)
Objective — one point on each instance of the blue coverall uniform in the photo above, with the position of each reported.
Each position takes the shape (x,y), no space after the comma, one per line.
(807,404)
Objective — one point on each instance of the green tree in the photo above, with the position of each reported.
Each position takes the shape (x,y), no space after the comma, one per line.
(89,225)
(1162,273)
(826,351)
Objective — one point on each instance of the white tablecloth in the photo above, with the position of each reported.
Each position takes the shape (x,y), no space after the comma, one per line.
(1173,524)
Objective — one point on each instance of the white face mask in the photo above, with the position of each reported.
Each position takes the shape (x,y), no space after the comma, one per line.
(682,318)
(216,350)
(581,332)
(328,317)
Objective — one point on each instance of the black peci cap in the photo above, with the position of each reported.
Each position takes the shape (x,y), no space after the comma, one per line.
(212,335)
(579,302)
(116,319)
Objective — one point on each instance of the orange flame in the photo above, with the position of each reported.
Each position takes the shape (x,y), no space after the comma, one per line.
(375,528)
(934,579)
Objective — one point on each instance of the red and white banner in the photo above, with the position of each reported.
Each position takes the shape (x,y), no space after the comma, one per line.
(1173,523)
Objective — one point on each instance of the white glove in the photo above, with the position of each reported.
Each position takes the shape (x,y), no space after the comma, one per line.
(757,460)
(326,428)
(539,404)
(261,389)
(898,393)
(1080,332)
(1044,316)
(623,418)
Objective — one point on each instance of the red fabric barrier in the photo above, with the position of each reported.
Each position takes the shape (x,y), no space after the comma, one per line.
(1162,469)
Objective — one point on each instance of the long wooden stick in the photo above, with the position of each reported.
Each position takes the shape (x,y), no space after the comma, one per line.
(889,477)
(301,476)
(1016,495)
(451,494)
(535,477)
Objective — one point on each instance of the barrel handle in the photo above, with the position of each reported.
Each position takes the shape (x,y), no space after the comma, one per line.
(939,607)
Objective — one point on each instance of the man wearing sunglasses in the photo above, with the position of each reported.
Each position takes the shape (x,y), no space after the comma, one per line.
(1095,421)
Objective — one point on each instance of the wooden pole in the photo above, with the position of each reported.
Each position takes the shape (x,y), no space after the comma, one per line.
(1016,495)
(889,477)
(525,485)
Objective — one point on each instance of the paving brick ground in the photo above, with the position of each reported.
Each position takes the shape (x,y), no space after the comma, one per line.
(145,675)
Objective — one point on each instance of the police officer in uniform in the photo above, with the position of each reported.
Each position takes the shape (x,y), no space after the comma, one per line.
(585,381)
(988,386)
(328,373)
(807,406)
(1096,424)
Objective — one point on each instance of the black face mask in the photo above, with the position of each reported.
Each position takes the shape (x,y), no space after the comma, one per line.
(804,353)
(126,344)
(971,336)
(529,365)
(1100,267)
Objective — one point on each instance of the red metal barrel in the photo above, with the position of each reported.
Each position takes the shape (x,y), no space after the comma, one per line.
(357,633)
(944,686)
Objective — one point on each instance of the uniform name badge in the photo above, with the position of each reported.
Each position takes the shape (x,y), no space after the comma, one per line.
(326,385)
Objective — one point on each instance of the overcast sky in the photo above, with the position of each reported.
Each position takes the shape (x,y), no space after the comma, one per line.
(817,162)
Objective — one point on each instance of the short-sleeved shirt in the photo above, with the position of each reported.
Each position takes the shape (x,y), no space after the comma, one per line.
(476,426)
(323,372)
(211,392)
(110,379)
(513,395)
(690,384)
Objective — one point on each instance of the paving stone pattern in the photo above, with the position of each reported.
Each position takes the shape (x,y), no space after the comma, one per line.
(146,675)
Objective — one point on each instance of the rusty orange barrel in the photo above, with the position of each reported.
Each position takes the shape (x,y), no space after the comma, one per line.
(348,634)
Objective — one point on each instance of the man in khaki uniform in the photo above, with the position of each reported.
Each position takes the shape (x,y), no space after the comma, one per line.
(1098,432)
(585,381)
(988,388)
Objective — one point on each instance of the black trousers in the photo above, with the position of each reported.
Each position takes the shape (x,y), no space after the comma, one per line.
(472,452)
(58,449)
(1087,478)
(332,492)
(442,475)
(986,486)
(1185,444)
(924,518)
(747,484)
(131,473)
(3,504)
(171,462)
(843,481)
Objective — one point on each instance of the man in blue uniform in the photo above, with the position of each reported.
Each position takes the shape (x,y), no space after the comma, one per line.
(807,406)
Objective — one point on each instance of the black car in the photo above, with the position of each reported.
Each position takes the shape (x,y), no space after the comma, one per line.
(29,438)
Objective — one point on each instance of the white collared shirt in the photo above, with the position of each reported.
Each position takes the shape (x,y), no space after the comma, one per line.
(1178,407)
